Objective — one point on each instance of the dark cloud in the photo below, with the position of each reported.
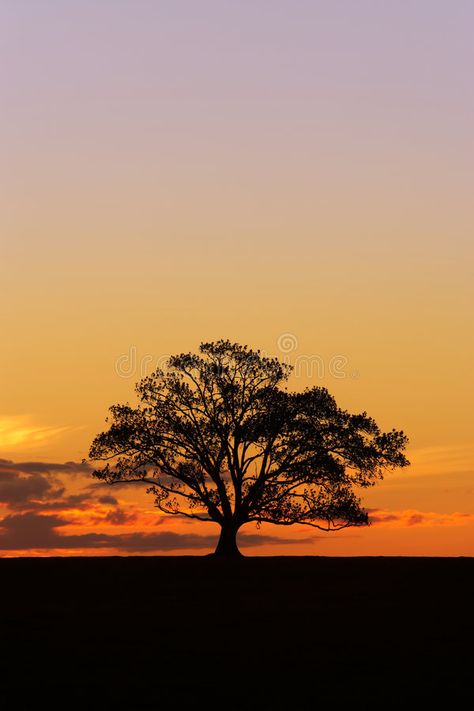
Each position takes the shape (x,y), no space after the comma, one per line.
(410,517)
(45,467)
(377,516)
(18,489)
(117,485)
(33,488)
(73,501)
(107,500)
(31,530)
(29,486)
(119,517)
(36,531)
(168,540)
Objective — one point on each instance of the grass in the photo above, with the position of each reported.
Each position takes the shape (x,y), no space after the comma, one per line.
(283,632)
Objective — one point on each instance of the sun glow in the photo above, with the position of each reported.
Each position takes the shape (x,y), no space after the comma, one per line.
(20,431)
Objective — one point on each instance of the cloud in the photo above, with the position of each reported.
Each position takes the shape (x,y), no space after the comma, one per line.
(45,467)
(15,489)
(40,487)
(33,485)
(107,500)
(72,501)
(18,491)
(119,517)
(30,530)
(409,517)
(35,531)
(20,431)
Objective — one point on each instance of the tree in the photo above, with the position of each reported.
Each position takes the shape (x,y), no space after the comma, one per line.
(217,437)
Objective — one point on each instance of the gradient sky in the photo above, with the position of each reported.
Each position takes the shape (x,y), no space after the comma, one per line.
(174,172)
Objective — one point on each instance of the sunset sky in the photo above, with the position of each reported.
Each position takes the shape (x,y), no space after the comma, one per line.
(294,175)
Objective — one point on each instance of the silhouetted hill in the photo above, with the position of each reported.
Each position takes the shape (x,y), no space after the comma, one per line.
(253,633)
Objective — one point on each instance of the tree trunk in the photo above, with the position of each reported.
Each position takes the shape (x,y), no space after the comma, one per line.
(227,544)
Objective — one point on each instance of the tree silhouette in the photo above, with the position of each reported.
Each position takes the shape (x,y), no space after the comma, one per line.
(218,437)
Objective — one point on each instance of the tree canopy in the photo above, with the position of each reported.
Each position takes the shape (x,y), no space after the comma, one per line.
(218,437)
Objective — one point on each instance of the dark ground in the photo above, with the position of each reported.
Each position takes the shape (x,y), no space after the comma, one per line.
(294,633)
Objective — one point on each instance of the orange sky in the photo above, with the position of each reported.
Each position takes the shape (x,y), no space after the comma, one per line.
(174,175)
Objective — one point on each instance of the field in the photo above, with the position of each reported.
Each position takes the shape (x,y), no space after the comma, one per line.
(287,632)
